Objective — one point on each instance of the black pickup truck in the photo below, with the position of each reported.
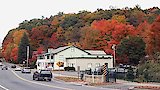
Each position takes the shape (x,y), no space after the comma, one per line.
(42,75)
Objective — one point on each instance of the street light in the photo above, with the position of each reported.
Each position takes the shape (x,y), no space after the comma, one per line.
(114,57)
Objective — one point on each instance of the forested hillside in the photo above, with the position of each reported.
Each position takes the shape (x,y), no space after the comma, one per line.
(97,30)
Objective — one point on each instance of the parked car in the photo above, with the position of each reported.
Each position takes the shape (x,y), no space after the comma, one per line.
(26,70)
(4,67)
(98,71)
(17,69)
(13,66)
(42,75)
(88,71)
(1,64)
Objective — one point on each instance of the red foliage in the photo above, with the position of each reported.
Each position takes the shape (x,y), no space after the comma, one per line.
(144,31)
(14,54)
(112,32)
(155,33)
(54,43)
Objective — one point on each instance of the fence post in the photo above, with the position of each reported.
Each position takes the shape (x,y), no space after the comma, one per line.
(92,77)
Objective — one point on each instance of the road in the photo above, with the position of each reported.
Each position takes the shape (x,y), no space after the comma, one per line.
(15,80)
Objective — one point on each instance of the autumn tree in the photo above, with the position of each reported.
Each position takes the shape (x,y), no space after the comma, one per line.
(119,18)
(144,31)
(112,32)
(155,33)
(33,60)
(54,43)
(14,55)
(89,38)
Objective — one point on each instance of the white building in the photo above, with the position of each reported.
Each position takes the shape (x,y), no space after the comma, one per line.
(73,56)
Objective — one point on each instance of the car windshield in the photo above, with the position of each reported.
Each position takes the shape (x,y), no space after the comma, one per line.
(45,72)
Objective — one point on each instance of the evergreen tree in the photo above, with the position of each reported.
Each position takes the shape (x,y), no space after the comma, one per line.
(22,50)
(133,48)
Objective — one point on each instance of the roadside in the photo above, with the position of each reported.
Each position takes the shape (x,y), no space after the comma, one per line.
(72,77)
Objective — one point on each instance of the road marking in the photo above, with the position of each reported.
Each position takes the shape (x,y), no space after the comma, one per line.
(40,83)
(3,87)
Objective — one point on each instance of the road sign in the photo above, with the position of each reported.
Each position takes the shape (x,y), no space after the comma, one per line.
(60,64)
(105,72)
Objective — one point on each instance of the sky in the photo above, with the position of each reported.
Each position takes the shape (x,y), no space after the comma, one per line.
(13,12)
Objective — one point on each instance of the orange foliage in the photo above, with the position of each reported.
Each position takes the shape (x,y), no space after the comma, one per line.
(145,32)
(112,32)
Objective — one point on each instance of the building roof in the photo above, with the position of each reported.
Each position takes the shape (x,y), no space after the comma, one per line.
(96,52)
(55,51)
(90,52)
(60,49)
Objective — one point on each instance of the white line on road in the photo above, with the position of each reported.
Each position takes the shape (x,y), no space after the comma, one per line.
(40,83)
(3,87)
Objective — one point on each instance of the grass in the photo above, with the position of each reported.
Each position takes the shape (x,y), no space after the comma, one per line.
(68,79)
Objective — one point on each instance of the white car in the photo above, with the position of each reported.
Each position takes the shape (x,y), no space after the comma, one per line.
(1,64)
(17,69)
(26,70)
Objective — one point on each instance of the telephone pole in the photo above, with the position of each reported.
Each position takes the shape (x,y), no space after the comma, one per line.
(114,57)
(27,55)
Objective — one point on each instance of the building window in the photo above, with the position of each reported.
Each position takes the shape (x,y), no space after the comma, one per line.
(47,56)
(97,65)
(72,65)
(61,57)
(89,65)
(52,64)
(41,57)
(52,57)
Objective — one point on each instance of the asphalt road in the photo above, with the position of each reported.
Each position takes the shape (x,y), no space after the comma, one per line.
(15,80)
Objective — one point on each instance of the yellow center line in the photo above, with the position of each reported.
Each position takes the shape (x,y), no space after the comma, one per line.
(39,83)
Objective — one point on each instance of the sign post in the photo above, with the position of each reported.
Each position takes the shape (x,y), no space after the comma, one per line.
(78,70)
(105,72)
(60,64)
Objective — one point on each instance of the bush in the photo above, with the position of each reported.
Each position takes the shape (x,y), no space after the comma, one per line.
(69,68)
(149,72)
(130,74)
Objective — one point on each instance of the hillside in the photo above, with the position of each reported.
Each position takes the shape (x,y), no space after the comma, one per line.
(88,30)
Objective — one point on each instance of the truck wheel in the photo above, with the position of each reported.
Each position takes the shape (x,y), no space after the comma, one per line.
(36,79)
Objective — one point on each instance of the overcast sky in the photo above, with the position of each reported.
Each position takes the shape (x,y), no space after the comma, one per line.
(13,12)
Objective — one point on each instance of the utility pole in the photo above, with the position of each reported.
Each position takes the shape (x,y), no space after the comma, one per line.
(27,55)
(114,57)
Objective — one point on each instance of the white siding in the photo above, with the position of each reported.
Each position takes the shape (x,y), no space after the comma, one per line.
(68,53)
(83,62)
(73,52)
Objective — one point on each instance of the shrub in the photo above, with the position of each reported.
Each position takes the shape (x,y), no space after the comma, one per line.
(149,72)
(130,74)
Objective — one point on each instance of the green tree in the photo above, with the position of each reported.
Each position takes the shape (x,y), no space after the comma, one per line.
(22,51)
(133,47)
